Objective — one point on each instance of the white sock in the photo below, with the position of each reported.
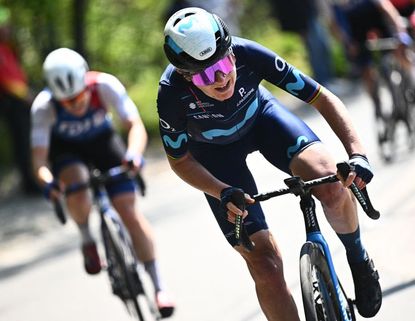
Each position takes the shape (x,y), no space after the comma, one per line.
(86,236)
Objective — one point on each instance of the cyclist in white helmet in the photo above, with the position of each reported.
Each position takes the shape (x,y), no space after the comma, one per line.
(214,112)
(71,131)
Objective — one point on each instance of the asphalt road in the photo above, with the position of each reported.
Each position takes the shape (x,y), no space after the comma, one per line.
(41,276)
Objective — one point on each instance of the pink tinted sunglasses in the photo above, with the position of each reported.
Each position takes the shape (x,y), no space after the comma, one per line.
(207,76)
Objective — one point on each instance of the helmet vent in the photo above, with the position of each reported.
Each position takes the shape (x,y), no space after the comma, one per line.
(60,84)
(70,81)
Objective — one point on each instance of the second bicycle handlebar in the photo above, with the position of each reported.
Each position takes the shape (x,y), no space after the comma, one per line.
(97,178)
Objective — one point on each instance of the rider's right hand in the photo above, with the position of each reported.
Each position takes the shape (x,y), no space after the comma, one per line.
(230,200)
(52,191)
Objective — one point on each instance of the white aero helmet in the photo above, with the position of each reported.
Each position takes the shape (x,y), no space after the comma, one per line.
(64,70)
(195,39)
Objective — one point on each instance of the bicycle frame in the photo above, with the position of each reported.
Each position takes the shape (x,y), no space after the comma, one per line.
(314,235)
(110,221)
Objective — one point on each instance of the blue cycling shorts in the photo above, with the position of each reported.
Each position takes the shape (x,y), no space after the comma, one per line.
(278,135)
(102,152)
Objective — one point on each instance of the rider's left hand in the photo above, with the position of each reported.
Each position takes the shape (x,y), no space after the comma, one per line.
(362,169)
(134,160)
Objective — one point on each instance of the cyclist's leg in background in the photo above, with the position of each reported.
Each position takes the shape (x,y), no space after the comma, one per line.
(108,153)
(264,262)
(68,166)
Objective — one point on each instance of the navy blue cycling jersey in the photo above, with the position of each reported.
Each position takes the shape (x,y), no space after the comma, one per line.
(186,113)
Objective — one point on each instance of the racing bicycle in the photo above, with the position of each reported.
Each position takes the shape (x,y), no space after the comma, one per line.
(396,107)
(124,270)
(324,298)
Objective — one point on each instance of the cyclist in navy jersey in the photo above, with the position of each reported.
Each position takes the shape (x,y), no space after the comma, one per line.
(214,112)
(72,131)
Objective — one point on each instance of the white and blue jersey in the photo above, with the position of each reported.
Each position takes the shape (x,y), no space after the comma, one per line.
(220,134)
(49,118)
(90,138)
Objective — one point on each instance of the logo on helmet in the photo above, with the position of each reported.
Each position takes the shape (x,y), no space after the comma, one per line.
(204,52)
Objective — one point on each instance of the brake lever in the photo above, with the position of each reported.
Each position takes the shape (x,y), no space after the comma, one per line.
(362,195)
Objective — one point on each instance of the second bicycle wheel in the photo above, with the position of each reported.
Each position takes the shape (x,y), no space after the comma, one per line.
(319,294)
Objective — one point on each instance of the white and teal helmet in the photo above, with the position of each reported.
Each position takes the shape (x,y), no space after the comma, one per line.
(195,39)
(64,70)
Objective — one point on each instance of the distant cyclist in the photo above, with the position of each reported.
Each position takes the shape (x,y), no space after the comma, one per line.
(359,19)
(214,112)
(72,131)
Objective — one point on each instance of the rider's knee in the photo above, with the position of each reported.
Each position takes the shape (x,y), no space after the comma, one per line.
(265,263)
(333,196)
(80,198)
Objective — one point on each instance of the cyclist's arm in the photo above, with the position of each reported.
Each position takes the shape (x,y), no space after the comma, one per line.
(392,14)
(42,119)
(335,113)
(40,165)
(137,136)
(193,173)
(114,94)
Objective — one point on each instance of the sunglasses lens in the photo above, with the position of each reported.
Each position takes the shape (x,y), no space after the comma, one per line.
(72,101)
(207,76)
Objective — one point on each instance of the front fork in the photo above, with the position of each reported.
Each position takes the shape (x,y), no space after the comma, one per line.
(314,235)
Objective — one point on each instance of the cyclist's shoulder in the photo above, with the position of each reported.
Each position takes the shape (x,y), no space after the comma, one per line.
(240,44)
(42,101)
(252,50)
(101,78)
(172,85)
(105,83)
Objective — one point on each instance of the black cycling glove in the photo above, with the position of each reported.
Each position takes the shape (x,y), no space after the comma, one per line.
(361,167)
(49,187)
(233,195)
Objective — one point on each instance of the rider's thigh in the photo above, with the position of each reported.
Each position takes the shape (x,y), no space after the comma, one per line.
(314,162)
(74,173)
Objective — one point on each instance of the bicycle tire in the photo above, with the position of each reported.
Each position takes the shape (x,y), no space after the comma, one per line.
(318,292)
(386,110)
(125,283)
(398,110)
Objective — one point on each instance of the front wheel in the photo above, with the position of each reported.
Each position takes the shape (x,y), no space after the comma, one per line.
(319,295)
(122,271)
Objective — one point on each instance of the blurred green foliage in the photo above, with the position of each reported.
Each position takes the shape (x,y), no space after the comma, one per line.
(125,37)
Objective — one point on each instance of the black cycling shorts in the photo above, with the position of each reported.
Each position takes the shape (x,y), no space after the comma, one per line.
(102,152)
(278,135)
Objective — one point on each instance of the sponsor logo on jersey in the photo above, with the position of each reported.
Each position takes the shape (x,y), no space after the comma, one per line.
(207,116)
(244,94)
(295,87)
(166,125)
(169,142)
(292,150)
(74,128)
